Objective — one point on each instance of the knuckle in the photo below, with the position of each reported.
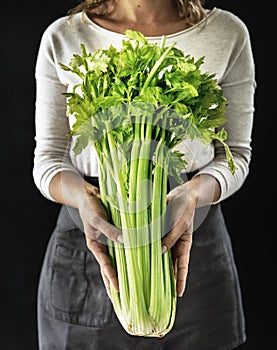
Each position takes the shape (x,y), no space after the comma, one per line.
(91,234)
(113,234)
(187,238)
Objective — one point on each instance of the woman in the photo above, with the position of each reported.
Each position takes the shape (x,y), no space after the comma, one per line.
(74,309)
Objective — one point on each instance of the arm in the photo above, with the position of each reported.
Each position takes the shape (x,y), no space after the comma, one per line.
(70,189)
(54,174)
(214,182)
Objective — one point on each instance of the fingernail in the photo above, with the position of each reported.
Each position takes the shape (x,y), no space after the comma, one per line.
(120,239)
(164,249)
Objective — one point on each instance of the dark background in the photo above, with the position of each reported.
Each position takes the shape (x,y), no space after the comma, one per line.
(27,218)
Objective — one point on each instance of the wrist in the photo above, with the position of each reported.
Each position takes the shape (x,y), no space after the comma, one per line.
(71,189)
(204,189)
(84,192)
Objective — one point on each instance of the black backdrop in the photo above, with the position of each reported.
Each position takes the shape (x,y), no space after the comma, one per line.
(27,218)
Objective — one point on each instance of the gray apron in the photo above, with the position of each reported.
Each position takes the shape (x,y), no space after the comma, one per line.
(75,313)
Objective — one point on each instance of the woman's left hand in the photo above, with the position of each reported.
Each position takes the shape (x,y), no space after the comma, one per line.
(181,211)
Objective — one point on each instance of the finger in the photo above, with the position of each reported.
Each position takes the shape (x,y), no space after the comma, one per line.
(109,272)
(96,235)
(99,250)
(179,231)
(107,284)
(95,251)
(182,272)
(172,237)
(182,263)
(109,230)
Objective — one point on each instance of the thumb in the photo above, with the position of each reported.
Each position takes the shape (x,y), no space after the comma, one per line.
(110,231)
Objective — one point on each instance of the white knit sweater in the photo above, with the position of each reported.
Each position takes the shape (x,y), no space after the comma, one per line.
(224,41)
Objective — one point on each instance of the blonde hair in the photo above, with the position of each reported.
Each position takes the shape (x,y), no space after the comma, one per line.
(192,10)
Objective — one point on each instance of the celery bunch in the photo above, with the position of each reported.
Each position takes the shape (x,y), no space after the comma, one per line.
(134,105)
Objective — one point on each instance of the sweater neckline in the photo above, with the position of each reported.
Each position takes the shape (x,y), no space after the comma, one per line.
(111,33)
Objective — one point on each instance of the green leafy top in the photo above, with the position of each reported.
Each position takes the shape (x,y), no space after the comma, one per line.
(143,75)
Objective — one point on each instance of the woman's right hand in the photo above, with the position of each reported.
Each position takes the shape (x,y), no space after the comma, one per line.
(69,188)
(94,216)
(96,225)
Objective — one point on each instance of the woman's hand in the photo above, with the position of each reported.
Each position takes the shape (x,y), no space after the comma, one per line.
(94,216)
(69,188)
(181,210)
(183,200)
(96,225)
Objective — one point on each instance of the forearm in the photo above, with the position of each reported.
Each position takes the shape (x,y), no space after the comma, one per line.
(69,188)
(201,190)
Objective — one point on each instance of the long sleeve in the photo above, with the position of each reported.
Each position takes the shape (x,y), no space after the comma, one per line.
(238,84)
(51,124)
